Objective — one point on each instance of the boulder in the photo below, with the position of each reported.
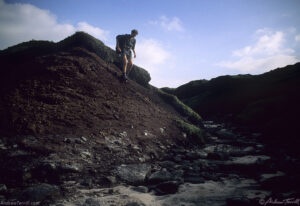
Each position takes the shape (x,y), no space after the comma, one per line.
(160,176)
(39,193)
(170,187)
(133,174)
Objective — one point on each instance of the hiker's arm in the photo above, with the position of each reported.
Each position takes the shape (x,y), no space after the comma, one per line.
(133,48)
(134,53)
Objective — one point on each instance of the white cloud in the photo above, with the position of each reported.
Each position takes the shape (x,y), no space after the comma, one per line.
(94,31)
(151,55)
(269,52)
(266,45)
(23,22)
(297,38)
(173,24)
(259,65)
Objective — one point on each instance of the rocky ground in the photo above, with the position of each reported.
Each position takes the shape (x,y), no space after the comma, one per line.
(233,168)
(72,134)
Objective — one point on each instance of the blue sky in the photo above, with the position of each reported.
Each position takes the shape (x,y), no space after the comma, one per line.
(178,41)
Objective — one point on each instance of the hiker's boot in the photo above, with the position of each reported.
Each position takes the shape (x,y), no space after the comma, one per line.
(124,77)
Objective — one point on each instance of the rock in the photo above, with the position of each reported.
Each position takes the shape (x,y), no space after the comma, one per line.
(178,158)
(160,176)
(83,138)
(177,174)
(79,141)
(87,182)
(133,174)
(170,187)
(238,201)
(179,150)
(162,130)
(123,134)
(249,149)
(3,188)
(141,189)
(109,180)
(217,156)
(167,164)
(224,133)
(195,155)
(19,153)
(67,140)
(86,154)
(135,204)
(91,202)
(70,167)
(250,159)
(40,192)
(3,147)
(194,179)
(265,177)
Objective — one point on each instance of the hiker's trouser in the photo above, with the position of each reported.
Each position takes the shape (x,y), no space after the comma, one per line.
(127,52)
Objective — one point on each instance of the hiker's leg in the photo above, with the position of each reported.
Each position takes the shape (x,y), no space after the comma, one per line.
(125,61)
(130,65)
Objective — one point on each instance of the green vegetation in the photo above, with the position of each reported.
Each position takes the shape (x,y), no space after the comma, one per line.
(193,132)
(180,107)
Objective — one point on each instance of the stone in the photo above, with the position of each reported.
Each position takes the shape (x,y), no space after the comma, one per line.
(86,154)
(70,167)
(3,147)
(160,176)
(123,134)
(3,188)
(78,141)
(141,189)
(250,159)
(108,180)
(193,156)
(167,164)
(83,138)
(217,156)
(224,133)
(91,202)
(133,174)
(19,153)
(135,204)
(67,140)
(40,192)
(194,179)
(86,182)
(178,158)
(170,187)
(249,149)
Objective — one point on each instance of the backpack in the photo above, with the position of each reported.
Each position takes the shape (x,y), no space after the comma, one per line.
(122,41)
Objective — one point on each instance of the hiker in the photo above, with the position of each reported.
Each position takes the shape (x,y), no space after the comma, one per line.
(126,43)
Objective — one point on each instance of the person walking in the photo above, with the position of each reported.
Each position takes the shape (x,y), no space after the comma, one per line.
(126,44)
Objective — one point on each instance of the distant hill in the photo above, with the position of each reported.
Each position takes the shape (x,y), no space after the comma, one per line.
(269,102)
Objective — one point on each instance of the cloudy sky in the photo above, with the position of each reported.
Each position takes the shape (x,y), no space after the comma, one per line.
(178,41)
